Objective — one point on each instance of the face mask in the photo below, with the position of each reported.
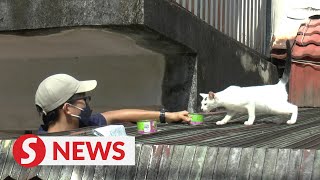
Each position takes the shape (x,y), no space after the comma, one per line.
(84,116)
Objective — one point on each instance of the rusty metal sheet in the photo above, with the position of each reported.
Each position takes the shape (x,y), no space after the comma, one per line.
(198,162)
(4,153)
(202,162)
(187,161)
(55,172)
(245,163)
(33,172)
(9,163)
(217,163)
(306,45)
(306,166)
(165,162)
(279,53)
(176,162)
(282,164)
(144,161)
(233,163)
(209,163)
(294,164)
(304,87)
(257,163)
(316,166)
(88,172)
(77,172)
(155,161)
(269,166)
(66,172)
(110,172)
(44,172)
(302,52)
(305,40)
(24,173)
(279,56)
(221,163)
(15,172)
(310,29)
(119,172)
(99,173)
(311,23)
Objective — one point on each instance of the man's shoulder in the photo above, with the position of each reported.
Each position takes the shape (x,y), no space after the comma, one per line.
(97,119)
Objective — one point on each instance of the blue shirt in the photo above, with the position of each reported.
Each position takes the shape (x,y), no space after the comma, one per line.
(95,120)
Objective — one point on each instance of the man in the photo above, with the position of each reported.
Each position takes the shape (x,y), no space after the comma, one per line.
(62,102)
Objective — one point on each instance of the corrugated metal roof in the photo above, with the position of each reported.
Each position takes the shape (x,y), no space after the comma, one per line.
(242,19)
(183,162)
(269,131)
(269,148)
(307,46)
(303,40)
(315,28)
(308,52)
(304,83)
(306,43)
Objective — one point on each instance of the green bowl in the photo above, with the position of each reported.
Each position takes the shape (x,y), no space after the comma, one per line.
(196,119)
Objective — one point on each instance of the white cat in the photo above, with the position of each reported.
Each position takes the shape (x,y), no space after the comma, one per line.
(267,99)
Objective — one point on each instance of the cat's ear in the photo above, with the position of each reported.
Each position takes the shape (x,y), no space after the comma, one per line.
(211,95)
(203,95)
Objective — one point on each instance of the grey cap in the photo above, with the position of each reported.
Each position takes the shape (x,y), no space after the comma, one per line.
(57,89)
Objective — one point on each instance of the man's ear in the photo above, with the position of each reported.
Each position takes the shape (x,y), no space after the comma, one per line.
(203,95)
(211,95)
(65,108)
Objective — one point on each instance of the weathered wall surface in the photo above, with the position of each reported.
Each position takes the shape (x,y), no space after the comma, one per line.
(128,74)
(216,61)
(222,61)
(34,14)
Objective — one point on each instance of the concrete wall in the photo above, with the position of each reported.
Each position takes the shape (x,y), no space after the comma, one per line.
(128,74)
(35,14)
(222,61)
(208,61)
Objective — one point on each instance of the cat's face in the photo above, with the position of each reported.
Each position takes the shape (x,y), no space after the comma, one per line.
(208,102)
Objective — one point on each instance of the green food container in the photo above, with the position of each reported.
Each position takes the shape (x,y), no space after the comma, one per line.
(147,126)
(196,119)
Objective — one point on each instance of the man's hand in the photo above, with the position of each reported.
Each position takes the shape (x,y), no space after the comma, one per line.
(177,116)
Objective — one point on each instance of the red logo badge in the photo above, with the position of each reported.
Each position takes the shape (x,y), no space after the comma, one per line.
(29,150)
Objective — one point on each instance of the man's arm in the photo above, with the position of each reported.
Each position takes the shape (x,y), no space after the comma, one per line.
(134,115)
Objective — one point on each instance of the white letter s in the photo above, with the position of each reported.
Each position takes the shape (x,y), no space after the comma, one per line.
(26,148)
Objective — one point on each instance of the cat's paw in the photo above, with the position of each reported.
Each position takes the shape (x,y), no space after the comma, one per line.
(291,122)
(220,122)
(248,123)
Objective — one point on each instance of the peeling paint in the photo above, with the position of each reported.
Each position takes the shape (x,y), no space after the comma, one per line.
(264,72)
(248,63)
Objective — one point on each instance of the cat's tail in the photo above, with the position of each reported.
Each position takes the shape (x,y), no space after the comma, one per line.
(286,74)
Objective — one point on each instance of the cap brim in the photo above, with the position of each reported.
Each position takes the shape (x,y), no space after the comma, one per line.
(86,86)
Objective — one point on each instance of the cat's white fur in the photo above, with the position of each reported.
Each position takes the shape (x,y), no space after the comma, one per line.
(267,99)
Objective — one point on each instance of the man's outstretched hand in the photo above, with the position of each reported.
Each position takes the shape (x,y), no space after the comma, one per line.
(178,117)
